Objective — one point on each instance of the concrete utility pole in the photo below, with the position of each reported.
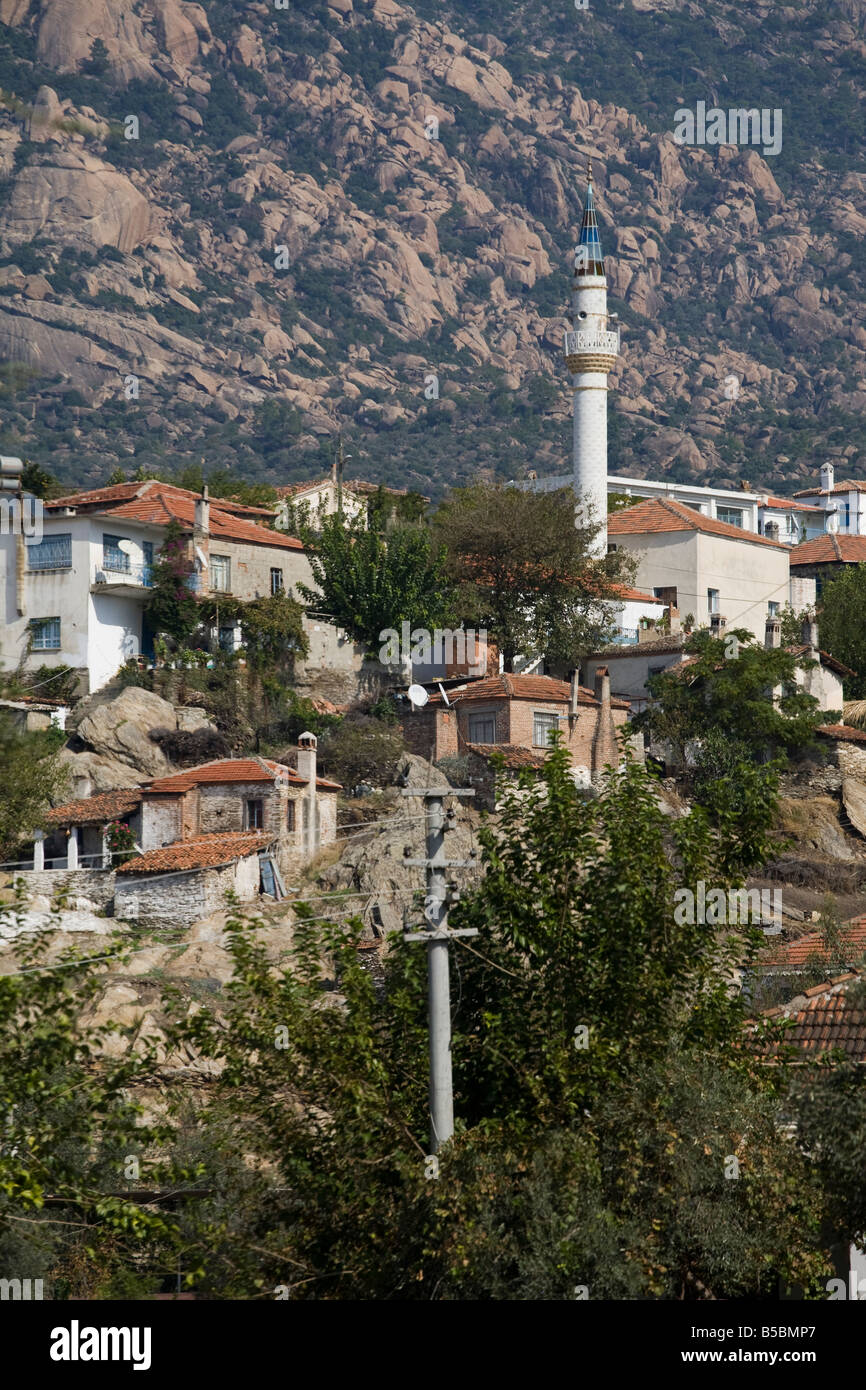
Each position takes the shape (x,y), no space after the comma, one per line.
(439,897)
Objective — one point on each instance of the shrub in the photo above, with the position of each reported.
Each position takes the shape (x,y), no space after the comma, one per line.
(187,747)
(361,749)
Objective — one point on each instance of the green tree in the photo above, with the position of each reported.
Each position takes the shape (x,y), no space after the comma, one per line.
(31,779)
(840,620)
(39,481)
(368,582)
(600,1080)
(362,749)
(171,608)
(69,1128)
(726,686)
(525,572)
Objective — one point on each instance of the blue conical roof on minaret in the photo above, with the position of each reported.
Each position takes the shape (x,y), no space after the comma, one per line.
(594,262)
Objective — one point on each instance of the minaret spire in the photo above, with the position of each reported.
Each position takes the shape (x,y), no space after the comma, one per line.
(591,349)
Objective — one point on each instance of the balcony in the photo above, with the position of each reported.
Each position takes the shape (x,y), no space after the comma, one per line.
(591,340)
(113,577)
(625,637)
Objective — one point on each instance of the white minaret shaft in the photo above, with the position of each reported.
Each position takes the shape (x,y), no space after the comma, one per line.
(591,349)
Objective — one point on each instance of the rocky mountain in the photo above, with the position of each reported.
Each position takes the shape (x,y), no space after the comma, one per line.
(230,230)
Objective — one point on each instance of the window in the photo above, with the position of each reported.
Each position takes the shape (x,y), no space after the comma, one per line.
(712,600)
(847,516)
(46,634)
(276,582)
(732,515)
(221,574)
(543,725)
(228,638)
(254,815)
(113,558)
(667,595)
(772,609)
(482,728)
(290,816)
(52,553)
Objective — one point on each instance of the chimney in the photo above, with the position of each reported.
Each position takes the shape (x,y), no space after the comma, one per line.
(717,624)
(673,618)
(307,744)
(575,690)
(602,687)
(202,514)
(827,476)
(810,635)
(773,633)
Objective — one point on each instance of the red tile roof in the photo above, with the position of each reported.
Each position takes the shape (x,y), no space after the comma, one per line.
(95,810)
(349,485)
(156,504)
(826,659)
(824,1018)
(228,770)
(848,486)
(829,550)
(204,852)
(664,514)
(843,732)
(520,687)
(794,954)
(788,504)
(637,595)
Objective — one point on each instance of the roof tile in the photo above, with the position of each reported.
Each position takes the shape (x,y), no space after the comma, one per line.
(664,514)
(204,852)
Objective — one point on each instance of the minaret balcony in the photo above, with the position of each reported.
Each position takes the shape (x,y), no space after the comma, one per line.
(599,345)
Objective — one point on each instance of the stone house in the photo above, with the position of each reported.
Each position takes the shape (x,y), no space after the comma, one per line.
(240,822)
(510,713)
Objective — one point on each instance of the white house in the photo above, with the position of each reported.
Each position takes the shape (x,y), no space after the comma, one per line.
(77,597)
(843,505)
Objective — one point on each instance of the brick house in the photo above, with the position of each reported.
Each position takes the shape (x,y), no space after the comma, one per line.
(514,714)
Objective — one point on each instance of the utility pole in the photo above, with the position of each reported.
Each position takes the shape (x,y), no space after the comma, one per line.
(440,895)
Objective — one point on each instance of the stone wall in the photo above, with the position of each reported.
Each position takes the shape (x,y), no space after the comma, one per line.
(179,899)
(96,884)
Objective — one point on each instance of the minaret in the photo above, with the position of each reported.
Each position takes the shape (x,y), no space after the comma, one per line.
(591,350)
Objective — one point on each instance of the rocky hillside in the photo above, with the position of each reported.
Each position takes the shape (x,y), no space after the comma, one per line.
(328,202)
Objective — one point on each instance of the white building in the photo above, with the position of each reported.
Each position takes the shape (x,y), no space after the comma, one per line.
(843,505)
(77,597)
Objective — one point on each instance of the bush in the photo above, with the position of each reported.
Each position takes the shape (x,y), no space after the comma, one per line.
(190,747)
(361,749)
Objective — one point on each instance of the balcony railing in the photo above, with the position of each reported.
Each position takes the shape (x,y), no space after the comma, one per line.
(139,576)
(591,340)
(625,636)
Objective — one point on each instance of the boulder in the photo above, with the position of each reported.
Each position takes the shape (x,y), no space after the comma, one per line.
(78,199)
(120,729)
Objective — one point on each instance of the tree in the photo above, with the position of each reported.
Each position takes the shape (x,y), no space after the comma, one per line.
(362,749)
(39,481)
(840,619)
(602,1088)
(171,606)
(31,779)
(525,572)
(726,686)
(368,583)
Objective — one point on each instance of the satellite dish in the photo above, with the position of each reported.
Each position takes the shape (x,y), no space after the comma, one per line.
(418,696)
(833,521)
(125,547)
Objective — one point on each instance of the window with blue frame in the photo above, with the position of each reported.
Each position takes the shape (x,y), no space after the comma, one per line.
(113,558)
(52,553)
(45,634)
